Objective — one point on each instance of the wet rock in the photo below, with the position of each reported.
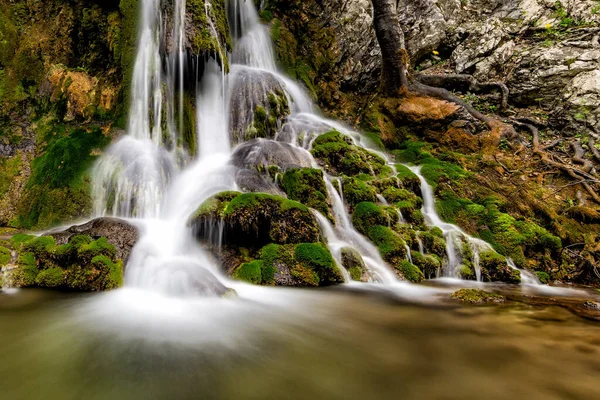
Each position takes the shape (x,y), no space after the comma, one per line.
(258,104)
(118,232)
(592,305)
(250,180)
(476,296)
(495,269)
(354,264)
(265,153)
(253,220)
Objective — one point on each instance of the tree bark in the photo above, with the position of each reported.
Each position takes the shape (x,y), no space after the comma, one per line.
(391,41)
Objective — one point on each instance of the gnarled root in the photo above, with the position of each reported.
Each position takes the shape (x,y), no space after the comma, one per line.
(467,82)
(579,157)
(579,174)
(595,151)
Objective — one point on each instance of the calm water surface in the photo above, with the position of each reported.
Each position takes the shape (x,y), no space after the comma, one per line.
(291,344)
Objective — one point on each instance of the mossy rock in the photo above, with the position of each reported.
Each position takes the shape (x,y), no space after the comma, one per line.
(304,264)
(433,243)
(543,277)
(81,264)
(338,155)
(366,215)
(357,191)
(354,264)
(495,269)
(390,244)
(254,220)
(428,264)
(477,296)
(410,271)
(5,256)
(307,186)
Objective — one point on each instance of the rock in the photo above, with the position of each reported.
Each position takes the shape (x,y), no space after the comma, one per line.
(258,104)
(265,153)
(250,180)
(354,264)
(495,269)
(592,305)
(118,232)
(476,296)
(253,220)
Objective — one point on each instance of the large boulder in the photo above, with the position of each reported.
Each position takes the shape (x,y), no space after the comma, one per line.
(119,233)
(265,153)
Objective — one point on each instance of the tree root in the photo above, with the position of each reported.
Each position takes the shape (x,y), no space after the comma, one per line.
(579,157)
(499,129)
(468,81)
(573,172)
(595,151)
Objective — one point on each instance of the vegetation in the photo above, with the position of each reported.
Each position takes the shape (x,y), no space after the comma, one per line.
(476,296)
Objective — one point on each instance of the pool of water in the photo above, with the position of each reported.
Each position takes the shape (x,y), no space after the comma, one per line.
(407,342)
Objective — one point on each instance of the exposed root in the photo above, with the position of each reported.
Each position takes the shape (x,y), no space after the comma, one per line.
(465,81)
(595,151)
(579,157)
(575,173)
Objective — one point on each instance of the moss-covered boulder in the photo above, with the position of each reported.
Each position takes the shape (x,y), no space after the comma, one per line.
(307,186)
(338,155)
(254,220)
(367,214)
(80,264)
(304,264)
(495,269)
(356,191)
(433,242)
(354,264)
(477,296)
(410,271)
(429,264)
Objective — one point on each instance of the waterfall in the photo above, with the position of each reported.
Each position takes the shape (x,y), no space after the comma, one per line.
(149,177)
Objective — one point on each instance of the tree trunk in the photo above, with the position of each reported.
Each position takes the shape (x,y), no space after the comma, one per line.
(393,52)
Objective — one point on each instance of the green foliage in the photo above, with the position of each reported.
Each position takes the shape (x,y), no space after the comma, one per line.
(100,247)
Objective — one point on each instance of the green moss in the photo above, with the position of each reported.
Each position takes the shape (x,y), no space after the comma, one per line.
(100,247)
(5,256)
(339,155)
(390,244)
(410,271)
(307,186)
(10,168)
(28,270)
(20,238)
(41,247)
(268,255)
(495,269)
(253,200)
(477,296)
(316,257)
(366,215)
(50,278)
(428,264)
(250,272)
(543,277)
(356,191)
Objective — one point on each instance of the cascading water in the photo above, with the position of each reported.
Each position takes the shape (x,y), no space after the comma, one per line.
(140,176)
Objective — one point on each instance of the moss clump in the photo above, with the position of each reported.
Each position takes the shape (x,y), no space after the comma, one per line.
(356,191)
(250,272)
(307,186)
(50,278)
(339,155)
(319,259)
(304,264)
(390,244)
(543,277)
(253,220)
(366,215)
(5,256)
(203,42)
(433,243)
(477,296)
(81,264)
(410,271)
(428,264)
(354,264)
(495,269)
